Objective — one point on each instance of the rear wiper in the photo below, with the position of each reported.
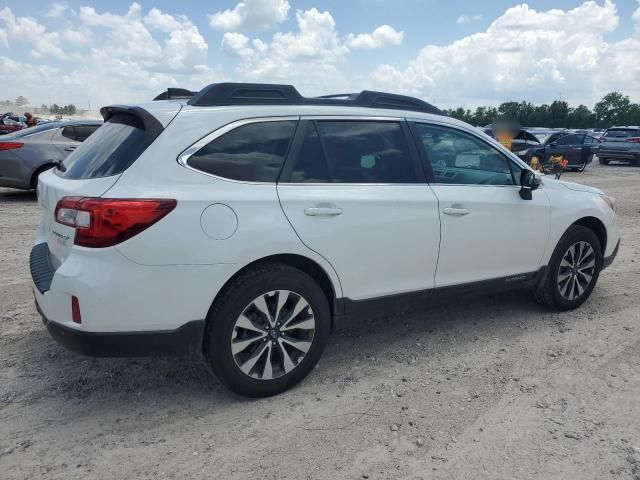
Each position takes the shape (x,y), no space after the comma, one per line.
(59,165)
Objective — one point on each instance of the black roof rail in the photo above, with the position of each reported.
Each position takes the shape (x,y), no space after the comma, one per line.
(174,93)
(226,94)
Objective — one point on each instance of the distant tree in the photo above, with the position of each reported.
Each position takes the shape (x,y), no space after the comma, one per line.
(21,101)
(581,117)
(44,108)
(613,109)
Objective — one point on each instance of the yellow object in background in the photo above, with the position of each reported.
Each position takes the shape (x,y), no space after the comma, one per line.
(535,162)
(505,139)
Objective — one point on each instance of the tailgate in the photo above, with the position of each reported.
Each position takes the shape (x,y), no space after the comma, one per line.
(51,188)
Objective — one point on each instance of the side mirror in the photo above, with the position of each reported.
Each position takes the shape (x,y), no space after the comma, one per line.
(528,183)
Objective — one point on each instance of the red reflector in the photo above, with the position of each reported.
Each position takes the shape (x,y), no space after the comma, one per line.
(10,145)
(75,310)
(634,139)
(104,222)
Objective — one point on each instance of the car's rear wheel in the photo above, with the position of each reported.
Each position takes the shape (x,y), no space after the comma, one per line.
(603,161)
(267,331)
(573,270)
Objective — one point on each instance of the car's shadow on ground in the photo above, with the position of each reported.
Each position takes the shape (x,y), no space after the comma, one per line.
(17,196)
(51,371)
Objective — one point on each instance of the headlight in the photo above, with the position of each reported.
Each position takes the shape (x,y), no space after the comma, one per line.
(609,201)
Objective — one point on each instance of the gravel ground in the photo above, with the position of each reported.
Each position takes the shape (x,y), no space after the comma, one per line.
(490,388)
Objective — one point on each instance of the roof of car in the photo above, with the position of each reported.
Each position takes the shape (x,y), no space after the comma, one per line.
(43,127)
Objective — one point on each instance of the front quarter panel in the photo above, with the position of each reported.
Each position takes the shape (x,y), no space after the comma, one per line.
(568,206)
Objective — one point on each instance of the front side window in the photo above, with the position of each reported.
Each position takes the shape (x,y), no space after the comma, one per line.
(570,140)
(460,158)
(253,152)
(353,151)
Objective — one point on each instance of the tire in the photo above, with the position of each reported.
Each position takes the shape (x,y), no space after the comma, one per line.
(603,161)
(560,294)
(247,302)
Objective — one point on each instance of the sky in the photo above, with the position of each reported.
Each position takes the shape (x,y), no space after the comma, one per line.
(452,53)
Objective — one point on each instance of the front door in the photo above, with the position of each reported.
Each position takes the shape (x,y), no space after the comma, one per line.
(354,192)
(488,231)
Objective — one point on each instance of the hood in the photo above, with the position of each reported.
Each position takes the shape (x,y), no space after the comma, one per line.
(576,187)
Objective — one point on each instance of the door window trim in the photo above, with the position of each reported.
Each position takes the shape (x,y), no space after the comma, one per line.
(287,170)
(183,157)
(413,122)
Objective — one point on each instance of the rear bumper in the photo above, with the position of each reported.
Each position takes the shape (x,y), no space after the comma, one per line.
(186,340)
(127,309)
(607,261)
(628,156)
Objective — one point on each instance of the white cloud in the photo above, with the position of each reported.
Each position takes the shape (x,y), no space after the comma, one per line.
(524,54)
(251,14)
(636,17)
(56,10)
(469,18)
(77,37)
(380,37)
(28,30)
(4,41)
(308,57)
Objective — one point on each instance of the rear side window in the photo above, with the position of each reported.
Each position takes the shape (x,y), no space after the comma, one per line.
(84,131)
(109,151)
(253,153)
(67,132)
(353,152)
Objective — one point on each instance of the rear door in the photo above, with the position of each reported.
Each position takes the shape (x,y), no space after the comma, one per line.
(354,192)
(65,140)
(488,231)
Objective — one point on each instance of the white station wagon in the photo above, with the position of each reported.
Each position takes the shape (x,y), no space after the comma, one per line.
(244,222)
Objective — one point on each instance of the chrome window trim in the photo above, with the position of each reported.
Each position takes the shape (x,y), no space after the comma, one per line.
(183,158)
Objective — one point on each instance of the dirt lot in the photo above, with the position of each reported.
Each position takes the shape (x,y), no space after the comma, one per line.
(492,388)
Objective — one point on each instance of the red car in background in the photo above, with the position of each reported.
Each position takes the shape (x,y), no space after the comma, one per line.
(9,125)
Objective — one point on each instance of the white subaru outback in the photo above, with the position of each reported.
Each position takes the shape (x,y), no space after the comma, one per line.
(243,222)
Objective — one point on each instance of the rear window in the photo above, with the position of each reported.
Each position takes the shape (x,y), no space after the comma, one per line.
(252,153)
(109,151)
(621,132)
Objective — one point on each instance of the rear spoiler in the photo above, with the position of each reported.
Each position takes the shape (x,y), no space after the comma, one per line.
(151,124)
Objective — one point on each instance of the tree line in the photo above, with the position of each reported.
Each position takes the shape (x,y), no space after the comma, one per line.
(613,109)
(54,108)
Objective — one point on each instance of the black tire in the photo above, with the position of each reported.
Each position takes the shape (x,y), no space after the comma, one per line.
(234,300)
(549,293)
(603,161)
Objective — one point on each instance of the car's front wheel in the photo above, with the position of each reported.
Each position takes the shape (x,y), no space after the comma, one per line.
(267,331)
(573,270)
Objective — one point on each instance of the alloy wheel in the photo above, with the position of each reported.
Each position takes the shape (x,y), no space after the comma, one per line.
(273,334)
(576,271)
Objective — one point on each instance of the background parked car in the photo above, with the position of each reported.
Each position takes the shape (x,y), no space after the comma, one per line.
(577,148)
(29,152)
(9,125)
(621,144)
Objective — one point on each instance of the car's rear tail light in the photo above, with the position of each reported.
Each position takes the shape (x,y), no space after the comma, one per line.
(10,145)
(634,139)
(104,222)
(75,310)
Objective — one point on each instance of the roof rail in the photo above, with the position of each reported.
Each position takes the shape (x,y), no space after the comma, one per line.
(175,93)
(226,94)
